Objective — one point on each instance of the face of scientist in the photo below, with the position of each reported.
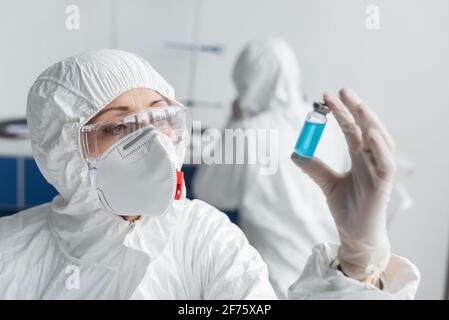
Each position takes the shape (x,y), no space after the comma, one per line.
(132,101)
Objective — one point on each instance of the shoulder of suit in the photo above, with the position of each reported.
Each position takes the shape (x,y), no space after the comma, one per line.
(23,226)
(203,217)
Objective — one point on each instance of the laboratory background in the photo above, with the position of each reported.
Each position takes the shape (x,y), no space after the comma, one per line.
(398,62)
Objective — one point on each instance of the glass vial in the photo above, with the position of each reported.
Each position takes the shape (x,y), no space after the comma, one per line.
(311,132)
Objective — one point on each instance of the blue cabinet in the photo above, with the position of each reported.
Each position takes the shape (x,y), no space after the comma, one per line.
(8,183)
(22,185)
(37,189)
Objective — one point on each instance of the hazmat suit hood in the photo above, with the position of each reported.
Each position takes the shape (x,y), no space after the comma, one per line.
(62,99)
(267,76)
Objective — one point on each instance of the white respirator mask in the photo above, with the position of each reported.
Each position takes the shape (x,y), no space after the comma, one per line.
(138,173)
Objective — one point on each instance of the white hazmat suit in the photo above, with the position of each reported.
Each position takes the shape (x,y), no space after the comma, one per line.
(72,248)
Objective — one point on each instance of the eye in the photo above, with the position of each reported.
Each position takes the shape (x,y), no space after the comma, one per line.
(116,129)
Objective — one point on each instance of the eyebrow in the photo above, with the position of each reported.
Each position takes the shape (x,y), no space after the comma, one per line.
(118,108)
(126,108)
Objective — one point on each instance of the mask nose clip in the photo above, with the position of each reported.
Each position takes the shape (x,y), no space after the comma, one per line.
(136,139)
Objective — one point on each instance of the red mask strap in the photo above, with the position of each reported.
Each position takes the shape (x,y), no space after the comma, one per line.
(179,184)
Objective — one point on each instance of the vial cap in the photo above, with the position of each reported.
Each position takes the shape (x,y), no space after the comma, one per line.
(321,108)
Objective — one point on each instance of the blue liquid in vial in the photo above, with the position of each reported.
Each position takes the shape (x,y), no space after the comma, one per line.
(308,139)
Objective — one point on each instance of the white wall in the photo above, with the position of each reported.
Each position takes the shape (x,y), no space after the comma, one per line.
(34,35)
(401,70)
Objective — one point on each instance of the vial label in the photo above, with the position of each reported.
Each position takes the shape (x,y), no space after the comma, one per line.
(308,139)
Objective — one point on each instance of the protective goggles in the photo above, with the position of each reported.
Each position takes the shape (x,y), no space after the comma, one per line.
(173,121)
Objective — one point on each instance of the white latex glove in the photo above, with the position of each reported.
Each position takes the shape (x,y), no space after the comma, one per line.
(358,199)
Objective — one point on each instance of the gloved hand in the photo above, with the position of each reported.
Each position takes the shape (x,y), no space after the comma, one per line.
(358,199)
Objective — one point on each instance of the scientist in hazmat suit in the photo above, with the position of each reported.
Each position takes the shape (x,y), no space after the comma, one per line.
(269,97)
(109,135)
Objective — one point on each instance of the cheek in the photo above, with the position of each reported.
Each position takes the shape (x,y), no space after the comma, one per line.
(103,146)
(98,144)
(105,141)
